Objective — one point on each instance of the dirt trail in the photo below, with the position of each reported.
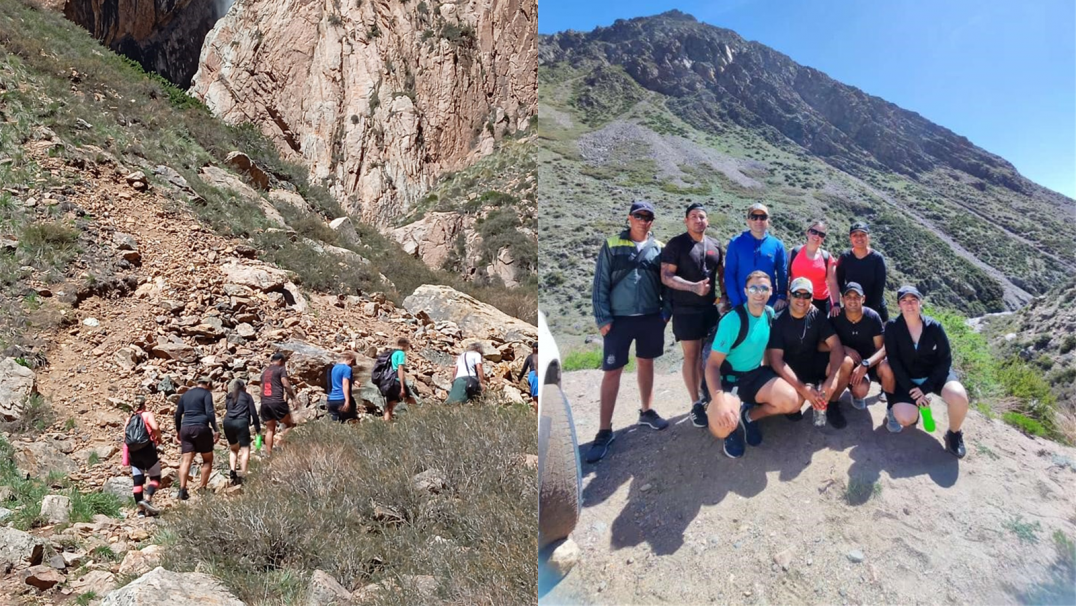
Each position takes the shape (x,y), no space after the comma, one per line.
(667,517)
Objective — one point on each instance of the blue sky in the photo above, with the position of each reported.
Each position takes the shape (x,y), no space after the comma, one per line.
(1002,74)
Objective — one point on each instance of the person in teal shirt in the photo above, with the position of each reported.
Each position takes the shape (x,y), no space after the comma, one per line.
(743,390)
(398,391)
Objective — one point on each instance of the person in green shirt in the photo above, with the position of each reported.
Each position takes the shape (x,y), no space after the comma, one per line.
(399,390)
(743,390)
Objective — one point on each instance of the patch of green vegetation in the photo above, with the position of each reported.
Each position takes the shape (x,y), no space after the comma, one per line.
(986,451)
(86,505)
(377,526)
(1025,424)
(860,491)
(104,553)
(37,415)
(1027,532)
(604,94)
(971,355)
(589,359)
(84,599)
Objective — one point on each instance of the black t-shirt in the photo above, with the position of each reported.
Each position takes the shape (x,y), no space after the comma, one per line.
(799,337)
(272,386)
(869,272)
(859,336)
(694,261)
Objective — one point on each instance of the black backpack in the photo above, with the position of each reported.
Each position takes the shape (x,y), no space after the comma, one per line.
(741,311)
(383,376)
(136,435)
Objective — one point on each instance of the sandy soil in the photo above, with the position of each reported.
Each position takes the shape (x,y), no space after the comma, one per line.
(668,518)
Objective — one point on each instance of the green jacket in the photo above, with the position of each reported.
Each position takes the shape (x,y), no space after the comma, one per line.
(627,281)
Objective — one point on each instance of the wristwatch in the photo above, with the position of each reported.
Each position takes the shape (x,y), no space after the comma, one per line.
(865,363)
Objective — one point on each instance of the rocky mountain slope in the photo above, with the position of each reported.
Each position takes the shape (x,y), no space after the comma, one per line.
(376,98)
(676,110)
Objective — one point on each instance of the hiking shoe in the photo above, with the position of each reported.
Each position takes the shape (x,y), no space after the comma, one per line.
(148,507)
(734,446)
(795,416)
(882,397)
(891,422)
(859,403)
(652,419)
(140,514)
(698,415)
(954,443)
(600,446)
(183,494)
(751,431)
(835,416)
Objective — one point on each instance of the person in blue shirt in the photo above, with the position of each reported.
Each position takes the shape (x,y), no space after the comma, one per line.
(756,250)
(341,404)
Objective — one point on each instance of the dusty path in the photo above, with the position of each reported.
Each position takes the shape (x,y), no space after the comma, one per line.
(668,518)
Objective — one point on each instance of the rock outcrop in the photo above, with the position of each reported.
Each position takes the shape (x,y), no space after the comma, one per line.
(16,385)
(376,98)
(443,303)
(162,586)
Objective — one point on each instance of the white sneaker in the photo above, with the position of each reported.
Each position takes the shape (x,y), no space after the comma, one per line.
(859,403)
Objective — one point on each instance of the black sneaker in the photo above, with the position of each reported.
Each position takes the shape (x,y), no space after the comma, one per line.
(734,446)
(652,419)
(183,494)
(600,445)
(698,415)
(795,416)
(954,443)
(835,416)
(752,433)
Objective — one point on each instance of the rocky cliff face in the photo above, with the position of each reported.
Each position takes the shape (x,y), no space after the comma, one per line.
(377,98)
(164,36)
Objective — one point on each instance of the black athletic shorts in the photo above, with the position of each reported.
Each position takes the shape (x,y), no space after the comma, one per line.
(694,326)
(195,438)
(334,407)
(749,384)
(812,370)
(904,397)
(274,411)
(237,431)
(648,332)
(393,393)
(144,458)
(821,305)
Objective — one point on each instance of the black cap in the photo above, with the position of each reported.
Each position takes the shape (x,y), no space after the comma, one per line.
(859,226)
(278,356)
(694,206)
(642,205)
(908,289)
(853,286)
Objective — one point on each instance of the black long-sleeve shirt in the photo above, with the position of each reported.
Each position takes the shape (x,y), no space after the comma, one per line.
(932,359)
(869,272)
(196,408)
(242,408)
(530,364)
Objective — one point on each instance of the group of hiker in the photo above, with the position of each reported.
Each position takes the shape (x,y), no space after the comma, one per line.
(765,332)
(196,421)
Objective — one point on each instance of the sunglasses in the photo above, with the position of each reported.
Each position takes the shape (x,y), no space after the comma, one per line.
(758,217)
(644,217)
(815,232)
(799,294)
(755,289)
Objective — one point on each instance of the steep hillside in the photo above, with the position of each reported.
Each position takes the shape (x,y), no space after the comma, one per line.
(675,110)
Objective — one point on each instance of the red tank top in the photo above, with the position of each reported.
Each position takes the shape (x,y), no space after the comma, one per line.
(812,269)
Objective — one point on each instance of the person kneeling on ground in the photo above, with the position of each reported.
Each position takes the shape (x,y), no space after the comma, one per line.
(918,352)
(240,414)
(798,341)
(397,389)
(196,432)
(468,382)
(340,402)
(861,331)
(141,436)
(275,386)
(743,390)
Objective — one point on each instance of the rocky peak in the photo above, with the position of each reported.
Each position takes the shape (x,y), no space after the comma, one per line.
(376,98)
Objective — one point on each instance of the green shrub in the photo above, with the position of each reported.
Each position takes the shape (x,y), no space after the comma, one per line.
(37,416)
(971,355)
(1024,424)
(298,513)
(589,359)
(86,505)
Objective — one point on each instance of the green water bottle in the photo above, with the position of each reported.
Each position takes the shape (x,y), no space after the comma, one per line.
(258,442)
(928,417)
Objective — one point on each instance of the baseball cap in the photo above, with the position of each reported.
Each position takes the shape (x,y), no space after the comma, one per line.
(642,205)
(859,226)
(278,356)
(908,289)
(694,206)
(758,206)
(801,283)
(853,286)
(202,380)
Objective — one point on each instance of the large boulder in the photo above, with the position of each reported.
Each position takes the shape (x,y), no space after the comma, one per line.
(56,508)
(242,163)
(18,547)
(173,348)
(141,561)
(306,362)
(40,458)
(433,238)
(259,277)
(345,230)
(162,586)
(97,581)
(477,319)
(120,486)
(326,591)
(222,179)
(16,385)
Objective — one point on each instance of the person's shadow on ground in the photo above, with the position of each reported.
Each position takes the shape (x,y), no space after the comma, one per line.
(673,473)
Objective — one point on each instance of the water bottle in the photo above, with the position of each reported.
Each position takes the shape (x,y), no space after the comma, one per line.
(258,442)
(928,417)
(819,413)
